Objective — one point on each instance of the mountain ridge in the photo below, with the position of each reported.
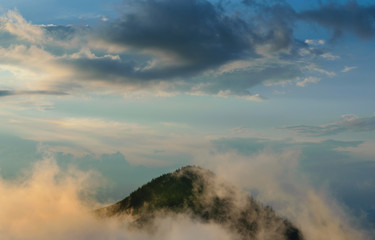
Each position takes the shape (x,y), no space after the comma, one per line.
(198,193)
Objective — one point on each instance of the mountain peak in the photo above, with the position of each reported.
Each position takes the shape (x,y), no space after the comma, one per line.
(198,193)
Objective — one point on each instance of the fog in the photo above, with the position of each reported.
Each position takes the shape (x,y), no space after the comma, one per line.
(48,203)
(275,180)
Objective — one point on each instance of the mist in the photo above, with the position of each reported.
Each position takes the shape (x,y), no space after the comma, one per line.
(49,203)
(274,180)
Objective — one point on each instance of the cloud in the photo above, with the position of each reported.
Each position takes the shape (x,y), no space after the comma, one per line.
(313,68)
(195,33)
(341,169)
(347,69)
(58,202)
(348,123)
(141,50)
(166,47)
(315,42)
(51,203)
(16,25)
(365,149)
(316,48)
(256,97)
(183,43)
(32,68)
(307,80)
(97,136)
(346,17)
(46,204)
(341,18)
(329,56)
(6,93)
(274,179)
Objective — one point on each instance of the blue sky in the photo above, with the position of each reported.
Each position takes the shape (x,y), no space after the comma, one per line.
(133,89)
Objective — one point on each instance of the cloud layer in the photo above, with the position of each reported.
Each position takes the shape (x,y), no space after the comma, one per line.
(348,123)
(50,202)
(5,93)
(274,179)
(167,47)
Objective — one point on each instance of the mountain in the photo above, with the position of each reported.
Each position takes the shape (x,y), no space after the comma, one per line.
(202,196)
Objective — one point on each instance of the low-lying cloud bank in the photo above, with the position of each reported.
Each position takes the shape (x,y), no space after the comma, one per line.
(275,180)
(50,203)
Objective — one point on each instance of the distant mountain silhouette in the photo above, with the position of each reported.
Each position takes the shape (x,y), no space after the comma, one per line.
(198,193)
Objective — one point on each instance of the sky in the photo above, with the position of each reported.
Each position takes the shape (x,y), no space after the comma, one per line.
(128,90)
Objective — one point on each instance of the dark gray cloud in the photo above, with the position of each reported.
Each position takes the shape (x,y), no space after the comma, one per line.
(183,43)
(6,93)
(348,123)
(181,40)
(197,31)
(340,18)
(237,82)
(196,34)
